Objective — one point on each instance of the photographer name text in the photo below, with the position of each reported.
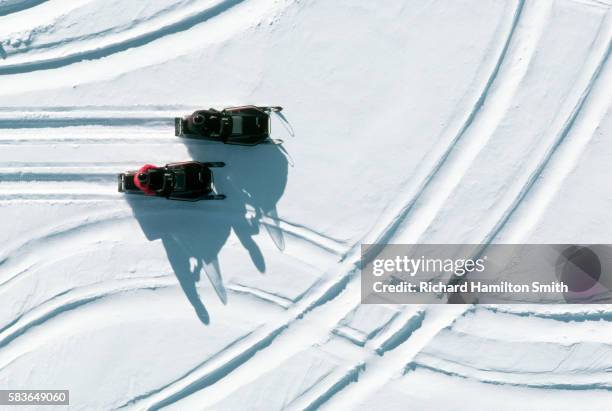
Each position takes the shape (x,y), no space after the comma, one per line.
(469,286)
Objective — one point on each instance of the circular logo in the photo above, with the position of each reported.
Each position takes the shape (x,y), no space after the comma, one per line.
(579,268)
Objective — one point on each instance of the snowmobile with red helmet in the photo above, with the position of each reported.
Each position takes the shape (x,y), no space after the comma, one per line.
(188,181)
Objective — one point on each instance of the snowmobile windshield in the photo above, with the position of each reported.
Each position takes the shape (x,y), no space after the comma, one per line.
(179,181)
(249,123)
(236,125)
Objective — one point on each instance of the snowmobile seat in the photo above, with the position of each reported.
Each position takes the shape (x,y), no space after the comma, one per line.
(211,124)
(207,122)
(156,180)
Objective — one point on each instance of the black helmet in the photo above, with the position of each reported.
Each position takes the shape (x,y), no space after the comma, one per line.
(143,178)
(198,119)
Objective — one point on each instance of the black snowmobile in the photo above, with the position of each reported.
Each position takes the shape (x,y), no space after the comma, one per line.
(188,181)
(246,125)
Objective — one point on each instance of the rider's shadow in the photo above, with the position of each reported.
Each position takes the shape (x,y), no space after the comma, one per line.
(193,234)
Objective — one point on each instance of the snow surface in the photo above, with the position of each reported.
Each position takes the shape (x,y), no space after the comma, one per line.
(414,121)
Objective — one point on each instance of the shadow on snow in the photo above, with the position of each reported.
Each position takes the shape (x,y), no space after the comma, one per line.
(193,234)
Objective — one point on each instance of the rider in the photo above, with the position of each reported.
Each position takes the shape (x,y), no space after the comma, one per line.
(141,179)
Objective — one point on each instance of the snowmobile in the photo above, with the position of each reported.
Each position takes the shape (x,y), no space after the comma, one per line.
(188,181)
(245,125)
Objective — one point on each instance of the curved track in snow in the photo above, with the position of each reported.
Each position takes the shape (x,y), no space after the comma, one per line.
(258,296)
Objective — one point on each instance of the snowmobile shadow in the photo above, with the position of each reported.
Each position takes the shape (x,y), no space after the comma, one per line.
(193,234)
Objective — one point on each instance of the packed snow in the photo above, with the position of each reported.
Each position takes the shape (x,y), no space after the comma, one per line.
(464,121)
